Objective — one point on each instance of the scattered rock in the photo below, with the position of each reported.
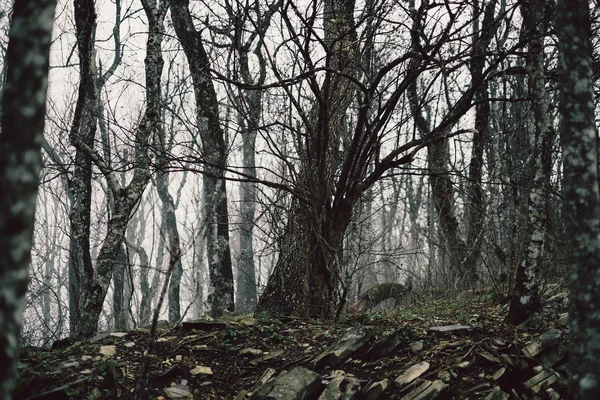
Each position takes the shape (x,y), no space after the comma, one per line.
(200,369)
(563,319)
(426,391)
(535,322)
(341,387)
(108,351)
(385,345)
(72,364)
(375,390)
(497,394)
(550,338)
(297,384)
(178,392)
(415,347)
(342,349)
(411,374)
(250,350)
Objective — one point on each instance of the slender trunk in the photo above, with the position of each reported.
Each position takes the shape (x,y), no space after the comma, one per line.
(526,297)
(82,134)
(214,151)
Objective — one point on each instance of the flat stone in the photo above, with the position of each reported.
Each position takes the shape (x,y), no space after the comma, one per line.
(411,374)
(497,394)
(550,338)
(178,392)
(426,391)
(342,349)
(341,387)
(375,390)
(385,345)
(297,384)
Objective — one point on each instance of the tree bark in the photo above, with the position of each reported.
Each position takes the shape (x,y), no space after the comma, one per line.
(83,133)
(307,277)
(126,198)
(214,153)
(24,108)
(581,196)
(526,298)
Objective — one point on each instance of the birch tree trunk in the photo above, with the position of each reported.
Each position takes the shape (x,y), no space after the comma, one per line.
(526,299)
(24,108)
(581,196)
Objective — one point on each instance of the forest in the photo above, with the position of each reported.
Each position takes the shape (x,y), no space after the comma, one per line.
(178,161)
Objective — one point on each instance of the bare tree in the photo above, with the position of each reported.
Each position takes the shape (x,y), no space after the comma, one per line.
(24,107)
(214,153)
(582,199)
(526,297)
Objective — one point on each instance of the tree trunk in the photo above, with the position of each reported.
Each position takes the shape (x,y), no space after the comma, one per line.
(24,108)
(581,196)
(307,277)
(127,198)
(526,298)
(173,242)
(214,152)
(82,134)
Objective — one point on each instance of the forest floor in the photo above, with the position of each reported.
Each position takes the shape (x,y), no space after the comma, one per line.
(482,358)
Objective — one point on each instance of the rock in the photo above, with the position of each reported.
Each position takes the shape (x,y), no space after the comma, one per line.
(342,349)
(108,351)
(72,364)
(297,384)
(118,334)
(450,329)
(385,345)
(200,369)
(563,319)
(497,394)
(550,338)
(178,392)
(411,374)
(533,349)
(375,390)
(341,387)
(536,321)
(541,381)
(557,298)
(249,350)
(415,347)
(426,391)
(266,375)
